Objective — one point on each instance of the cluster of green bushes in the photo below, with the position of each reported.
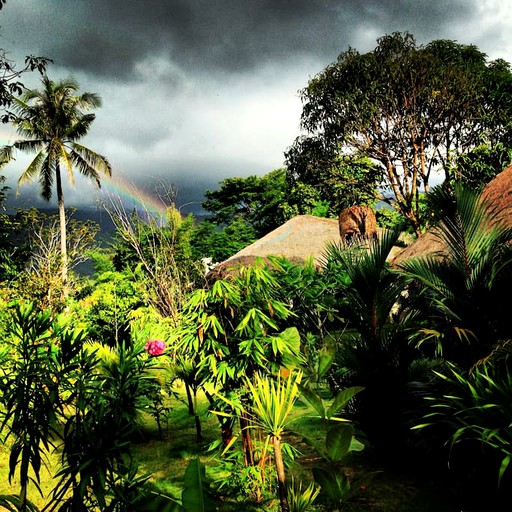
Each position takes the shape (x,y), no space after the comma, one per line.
(411,362)
(407,362)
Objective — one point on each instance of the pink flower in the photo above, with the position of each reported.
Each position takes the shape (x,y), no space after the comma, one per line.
(155,347)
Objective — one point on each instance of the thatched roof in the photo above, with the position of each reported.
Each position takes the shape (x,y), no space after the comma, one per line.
(427,243)
(298,239)
(497,194)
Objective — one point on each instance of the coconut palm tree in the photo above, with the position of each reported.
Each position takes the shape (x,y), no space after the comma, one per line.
(51,121)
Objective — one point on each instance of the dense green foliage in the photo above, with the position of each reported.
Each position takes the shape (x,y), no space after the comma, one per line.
(464,291)
(410,108)
(314,176)
(259,201)
(359,332)
(209,240)
(349,349)
(480,165)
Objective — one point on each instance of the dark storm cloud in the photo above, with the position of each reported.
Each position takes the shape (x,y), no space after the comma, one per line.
(425,16)
(198,90)
(110,37)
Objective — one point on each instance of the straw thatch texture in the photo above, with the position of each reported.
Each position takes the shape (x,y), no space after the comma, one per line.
(497,194)
(298,239)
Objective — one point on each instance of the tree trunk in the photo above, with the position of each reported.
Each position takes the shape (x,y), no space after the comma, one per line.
(189,399)
(226,429)
(281,477)
(25,457)
(199,433)
(63,240)
(246,441)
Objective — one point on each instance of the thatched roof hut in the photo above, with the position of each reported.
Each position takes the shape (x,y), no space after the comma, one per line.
(306,236)
(497,194)
(302,238)
(299,239)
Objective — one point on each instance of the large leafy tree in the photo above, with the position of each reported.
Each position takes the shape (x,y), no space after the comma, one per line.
(51,121)
(315,175)
(479,166)
(208,241)
(409,108)
(10,74)
(255,199)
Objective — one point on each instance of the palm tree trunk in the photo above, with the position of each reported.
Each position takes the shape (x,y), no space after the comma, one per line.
(281,478)
(63,241)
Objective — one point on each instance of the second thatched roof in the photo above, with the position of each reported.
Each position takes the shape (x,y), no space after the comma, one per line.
(497,195)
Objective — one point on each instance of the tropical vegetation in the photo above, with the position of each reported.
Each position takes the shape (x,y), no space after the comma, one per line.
(412,109)
(51,121)
(150,383)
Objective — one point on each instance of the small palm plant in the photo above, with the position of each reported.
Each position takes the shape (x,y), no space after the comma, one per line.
(271,402)
(300,496)
(374,351)
(477,406)
(463,287)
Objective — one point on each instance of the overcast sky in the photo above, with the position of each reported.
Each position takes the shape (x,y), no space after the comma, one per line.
(195,91)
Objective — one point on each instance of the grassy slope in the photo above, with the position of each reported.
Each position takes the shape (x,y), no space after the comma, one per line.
(166,459)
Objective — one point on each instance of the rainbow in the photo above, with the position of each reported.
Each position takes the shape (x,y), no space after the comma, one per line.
(132,196)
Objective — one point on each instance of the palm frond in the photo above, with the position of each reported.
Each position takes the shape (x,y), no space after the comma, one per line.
(33,169)
(29,145)
(373,289)
(46,179)
(464,286)
(63,156)
(80,127)
(89,100)
(466,227)
(90,163)
(49,119)
(6,154)
(272,401)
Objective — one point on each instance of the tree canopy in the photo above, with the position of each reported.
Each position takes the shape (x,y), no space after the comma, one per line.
(257,200)
(411,109)
(314,175)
